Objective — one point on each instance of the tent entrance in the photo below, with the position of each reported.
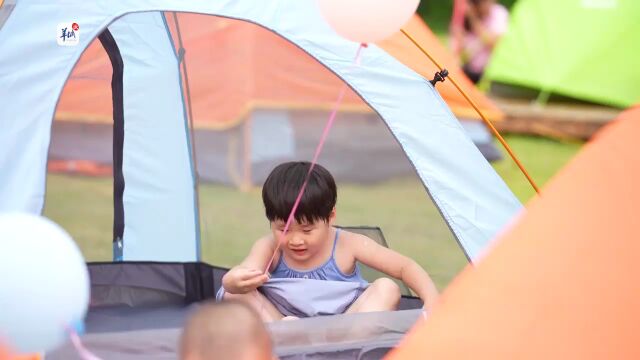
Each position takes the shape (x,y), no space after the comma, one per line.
(256,100)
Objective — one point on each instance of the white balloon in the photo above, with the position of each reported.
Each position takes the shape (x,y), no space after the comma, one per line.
(367,21)
(44,283)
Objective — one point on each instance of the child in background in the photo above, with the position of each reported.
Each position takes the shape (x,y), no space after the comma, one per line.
(473,40)
(225,331)
(314,249)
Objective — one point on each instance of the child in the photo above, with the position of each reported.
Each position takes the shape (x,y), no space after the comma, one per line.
(313,249)
(484,24)
(225,331)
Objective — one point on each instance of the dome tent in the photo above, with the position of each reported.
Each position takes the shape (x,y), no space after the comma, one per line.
(155,217)
(579,238)
(580,49)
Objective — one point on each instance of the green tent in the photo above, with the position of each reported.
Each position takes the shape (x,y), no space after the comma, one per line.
(584,49)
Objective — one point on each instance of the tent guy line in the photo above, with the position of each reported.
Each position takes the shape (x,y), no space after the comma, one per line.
(477,109)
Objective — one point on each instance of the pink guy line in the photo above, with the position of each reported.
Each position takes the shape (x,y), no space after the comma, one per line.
(323,138)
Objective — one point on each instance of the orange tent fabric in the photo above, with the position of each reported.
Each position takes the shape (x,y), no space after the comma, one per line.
(84,167)
(236,67)
(564,283)
(5,354)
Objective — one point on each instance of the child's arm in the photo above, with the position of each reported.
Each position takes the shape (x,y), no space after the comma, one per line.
(396,265)
(249,274)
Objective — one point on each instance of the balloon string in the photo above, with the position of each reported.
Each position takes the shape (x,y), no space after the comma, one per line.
(84,353)
(323,138)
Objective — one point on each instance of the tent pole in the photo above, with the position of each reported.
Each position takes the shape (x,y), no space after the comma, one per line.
(183,62)
(246,156)
(543,97)
(475,107)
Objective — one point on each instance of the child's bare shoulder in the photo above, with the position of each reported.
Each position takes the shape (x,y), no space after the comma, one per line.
(352,239)
(265,244)
(260,253)
(266,240)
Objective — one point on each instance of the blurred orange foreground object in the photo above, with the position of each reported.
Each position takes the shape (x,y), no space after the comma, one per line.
(236,67)
(26,357)
(6,355)
(564,282)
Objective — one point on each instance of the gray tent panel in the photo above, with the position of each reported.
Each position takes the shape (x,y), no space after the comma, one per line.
(138,308)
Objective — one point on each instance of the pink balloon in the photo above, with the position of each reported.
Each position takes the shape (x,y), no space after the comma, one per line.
(367,21)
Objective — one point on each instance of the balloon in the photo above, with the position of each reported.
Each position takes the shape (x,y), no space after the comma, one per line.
(44,283)
(367,21)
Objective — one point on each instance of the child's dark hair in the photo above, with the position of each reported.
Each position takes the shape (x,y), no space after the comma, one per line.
(467,23)
(282,186)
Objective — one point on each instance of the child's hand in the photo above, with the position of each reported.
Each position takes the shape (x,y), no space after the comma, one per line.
(243,280)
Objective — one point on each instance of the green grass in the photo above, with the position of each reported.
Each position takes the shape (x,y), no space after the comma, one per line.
(542,157)
(232,220)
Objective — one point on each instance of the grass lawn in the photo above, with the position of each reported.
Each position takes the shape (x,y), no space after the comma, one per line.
(232,220)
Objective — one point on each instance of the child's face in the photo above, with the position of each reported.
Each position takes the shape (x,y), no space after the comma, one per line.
(303,241)
(484,8)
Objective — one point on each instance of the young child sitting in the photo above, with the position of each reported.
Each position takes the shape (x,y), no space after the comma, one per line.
(315,250)
(225,331)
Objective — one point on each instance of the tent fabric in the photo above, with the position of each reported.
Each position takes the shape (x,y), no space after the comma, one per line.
(261,71)
(154,143)
(143,286)
(138,308)
(563,284)
(257,86)
(6,6)
(472,198)
(582,49)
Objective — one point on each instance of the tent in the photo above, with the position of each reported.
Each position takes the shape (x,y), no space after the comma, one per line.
(156,271)
(268,84)
(580,49)
(563,283)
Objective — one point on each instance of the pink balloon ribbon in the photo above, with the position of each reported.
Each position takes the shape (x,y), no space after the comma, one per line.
(82,351)
(323,138)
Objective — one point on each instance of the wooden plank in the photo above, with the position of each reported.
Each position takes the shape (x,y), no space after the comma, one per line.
(562,120)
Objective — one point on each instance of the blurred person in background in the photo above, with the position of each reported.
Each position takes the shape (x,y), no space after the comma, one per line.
(475,33)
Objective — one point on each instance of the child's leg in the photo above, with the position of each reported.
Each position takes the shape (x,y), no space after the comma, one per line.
(258,302)
(381,295)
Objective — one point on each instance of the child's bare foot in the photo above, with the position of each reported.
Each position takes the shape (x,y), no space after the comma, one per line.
(289,318)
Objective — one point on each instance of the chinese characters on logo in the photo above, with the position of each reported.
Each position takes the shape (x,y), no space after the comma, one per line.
(68,34)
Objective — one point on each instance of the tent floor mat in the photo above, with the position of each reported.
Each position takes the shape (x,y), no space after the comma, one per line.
(352,336)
